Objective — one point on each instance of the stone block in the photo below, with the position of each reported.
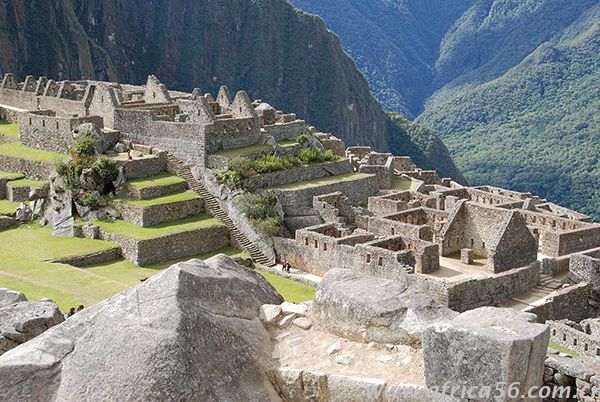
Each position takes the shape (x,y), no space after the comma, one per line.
(346,389)
(466,256)
(289,383)
(368,309)
(315,386)
(484,347)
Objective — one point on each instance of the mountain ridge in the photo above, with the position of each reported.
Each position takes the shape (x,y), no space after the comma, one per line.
(267,47)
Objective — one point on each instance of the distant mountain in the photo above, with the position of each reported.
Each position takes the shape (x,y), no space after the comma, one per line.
(267,47)
(512,86)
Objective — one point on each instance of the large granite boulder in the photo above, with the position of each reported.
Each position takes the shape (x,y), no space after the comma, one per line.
(22,320)
(369,309)
(8,296)
(102,141)
(486,347)
(190,333)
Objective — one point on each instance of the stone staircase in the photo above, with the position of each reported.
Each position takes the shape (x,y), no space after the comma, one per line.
(212,205)
(548,284)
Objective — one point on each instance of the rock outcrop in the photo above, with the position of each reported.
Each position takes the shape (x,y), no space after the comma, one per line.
(22,320)
(189,333)
(487,347)
(8,296)
(370,309)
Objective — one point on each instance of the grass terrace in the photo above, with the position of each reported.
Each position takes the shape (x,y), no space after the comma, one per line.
(164,179)
(28,183)
(9,129)
(17,150)
(324,181)
(245,151)
(287,143)
(291,291)
(133,231)
(26,266)
(404,184)
(7,208)
(164,199)
(11,175)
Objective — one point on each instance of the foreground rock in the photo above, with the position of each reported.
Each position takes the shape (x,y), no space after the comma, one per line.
(22,320)
(369,309)
(8,296)
(189,333)
(486,347)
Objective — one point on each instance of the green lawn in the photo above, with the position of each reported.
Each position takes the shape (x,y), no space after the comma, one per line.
(404,184)
(11,175)
(291,291)
(9,129)
(164,179)
(287,143)
(324,181)
(7,208)
(28,183)
(25,266)
(18,150)
(133,231)
(559,348)
(245,151)
(163,199)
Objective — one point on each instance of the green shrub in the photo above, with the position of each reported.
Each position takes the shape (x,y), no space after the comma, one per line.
(83,144)
(104,170)
(91,200)
(260,211)
(313,155)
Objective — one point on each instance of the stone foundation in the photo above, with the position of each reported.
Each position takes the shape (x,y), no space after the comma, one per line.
(170,247)
(146,216)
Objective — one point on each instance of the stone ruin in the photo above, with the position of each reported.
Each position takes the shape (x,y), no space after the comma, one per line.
(411,265)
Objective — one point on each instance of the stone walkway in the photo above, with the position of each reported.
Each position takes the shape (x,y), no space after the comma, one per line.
(295,275)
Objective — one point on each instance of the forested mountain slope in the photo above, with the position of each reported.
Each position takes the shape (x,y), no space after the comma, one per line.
(511,86)
(267,47)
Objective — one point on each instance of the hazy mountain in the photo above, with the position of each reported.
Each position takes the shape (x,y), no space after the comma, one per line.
(512,86)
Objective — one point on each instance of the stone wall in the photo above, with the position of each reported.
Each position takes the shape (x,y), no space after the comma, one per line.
(9,114)
(286,131)
(580,382)
(147,166)
(184,140)
(574,339)
(170,247)
(33,169)
(91,259)
(301,173)
(231,133)
(44,130)
(150,215)
(569,303)
(586,268)
(18,98)
(358,191)
(308,385)
(472,293)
